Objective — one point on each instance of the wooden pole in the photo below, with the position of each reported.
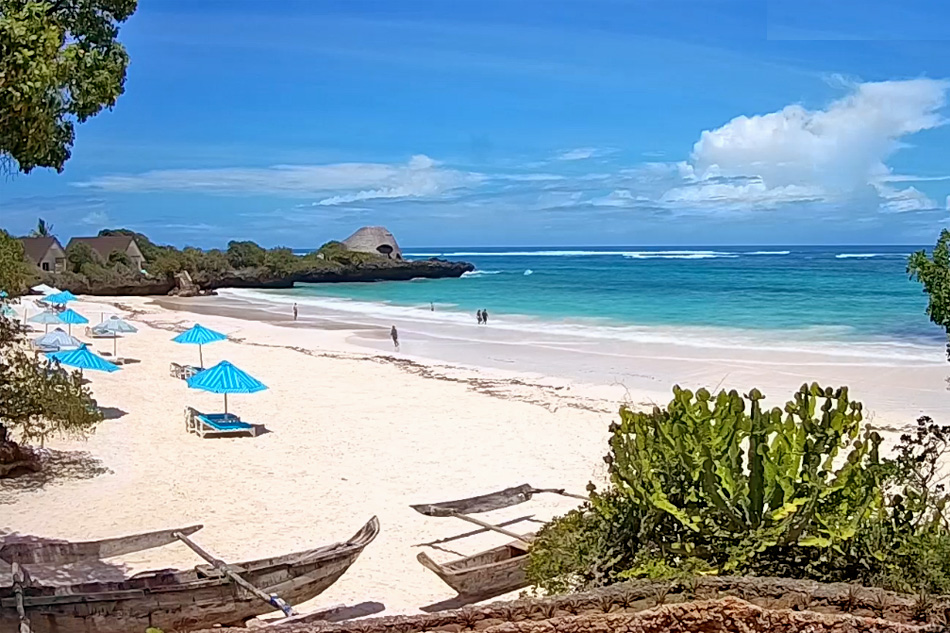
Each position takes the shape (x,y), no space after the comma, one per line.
(489,526)
(201,357)
(560,491)
(18,580)
(223,567)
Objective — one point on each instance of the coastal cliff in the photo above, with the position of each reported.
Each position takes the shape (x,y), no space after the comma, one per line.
(260,277)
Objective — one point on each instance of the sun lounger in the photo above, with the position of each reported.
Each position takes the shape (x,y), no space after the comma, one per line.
(94,332)
(183,372)
(217,424)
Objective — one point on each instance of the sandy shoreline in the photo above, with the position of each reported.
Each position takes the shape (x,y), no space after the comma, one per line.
(356,432)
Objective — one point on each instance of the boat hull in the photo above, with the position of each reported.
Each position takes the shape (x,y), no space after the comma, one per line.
(485,575)
(184,600)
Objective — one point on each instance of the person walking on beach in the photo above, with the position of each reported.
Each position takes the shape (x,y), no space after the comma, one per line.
(395,336)
(295,312)
(485,317)
(478,315)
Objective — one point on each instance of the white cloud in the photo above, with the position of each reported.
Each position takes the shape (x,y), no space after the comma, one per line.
(580,153)
(749,193)
(420,177)
(903,200)
(95,218)
(840,149)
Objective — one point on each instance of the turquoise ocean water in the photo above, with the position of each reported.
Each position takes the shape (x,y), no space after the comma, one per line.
(817,293)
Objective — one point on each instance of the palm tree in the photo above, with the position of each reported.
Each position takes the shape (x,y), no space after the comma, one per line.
(42,229)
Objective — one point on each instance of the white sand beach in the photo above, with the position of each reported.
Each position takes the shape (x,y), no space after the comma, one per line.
(355,432)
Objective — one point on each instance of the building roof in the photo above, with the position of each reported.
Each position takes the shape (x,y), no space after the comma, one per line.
(105,244)
(37,247)
(373,239)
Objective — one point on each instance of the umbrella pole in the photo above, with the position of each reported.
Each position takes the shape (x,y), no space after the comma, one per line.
(201,359)
(115,342)
(225,404)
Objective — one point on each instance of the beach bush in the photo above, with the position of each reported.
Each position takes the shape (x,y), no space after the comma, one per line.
(14,274)
(722,485)
(933,273)
(245,254)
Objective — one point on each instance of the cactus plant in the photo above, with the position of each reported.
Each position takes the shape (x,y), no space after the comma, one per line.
(726,479)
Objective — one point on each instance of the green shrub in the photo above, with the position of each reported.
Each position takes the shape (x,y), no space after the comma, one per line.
(79,254)
(726,481)
(280,261)
(245,254)
(719,485)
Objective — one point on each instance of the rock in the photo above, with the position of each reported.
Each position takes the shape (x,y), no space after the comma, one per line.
(185,286)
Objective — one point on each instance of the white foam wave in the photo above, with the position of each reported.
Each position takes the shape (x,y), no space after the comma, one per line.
(679,255)
(518,254)
(769,253)
(528,272)
(823,342)
(479,273)
(856,255)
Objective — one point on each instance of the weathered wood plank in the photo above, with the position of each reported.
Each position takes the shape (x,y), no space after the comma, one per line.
(53,553)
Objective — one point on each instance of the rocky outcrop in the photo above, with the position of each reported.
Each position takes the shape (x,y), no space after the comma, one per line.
(386,270)
(327,272)
(141,287)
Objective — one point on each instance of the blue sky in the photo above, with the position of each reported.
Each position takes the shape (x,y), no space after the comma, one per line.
(517,122)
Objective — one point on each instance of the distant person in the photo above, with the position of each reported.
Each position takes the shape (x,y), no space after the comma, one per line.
(431,306)
(295,312)
(485,317)
(478,315)
(395,336)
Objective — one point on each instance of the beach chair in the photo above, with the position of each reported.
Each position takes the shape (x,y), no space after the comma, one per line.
(93,332)
(182,372)
(217,424)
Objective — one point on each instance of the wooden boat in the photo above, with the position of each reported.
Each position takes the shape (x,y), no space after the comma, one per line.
(485,575)
(493,572)
(168,599)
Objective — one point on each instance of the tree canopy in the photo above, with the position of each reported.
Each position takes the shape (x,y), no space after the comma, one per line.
(60,63)
(933,273)
(37,400)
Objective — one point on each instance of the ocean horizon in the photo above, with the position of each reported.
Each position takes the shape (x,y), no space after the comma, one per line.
(715,296)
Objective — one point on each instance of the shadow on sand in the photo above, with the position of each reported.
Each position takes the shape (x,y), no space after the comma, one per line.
(56,467)
(89,570)
(112,413)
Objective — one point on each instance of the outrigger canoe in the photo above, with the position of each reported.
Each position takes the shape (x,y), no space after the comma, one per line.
(168,599)
(493,572)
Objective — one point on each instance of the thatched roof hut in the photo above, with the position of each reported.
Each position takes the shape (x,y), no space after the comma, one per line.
(374,239)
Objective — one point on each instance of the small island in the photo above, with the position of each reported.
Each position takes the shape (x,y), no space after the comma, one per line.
(121,262)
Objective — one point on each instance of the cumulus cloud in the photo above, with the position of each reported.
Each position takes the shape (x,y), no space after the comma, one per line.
(420,176)
(839,149)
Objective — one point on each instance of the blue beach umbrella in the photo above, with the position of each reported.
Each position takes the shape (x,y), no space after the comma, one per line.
(61,298)
(8,312)
(47,318)
(82,358)
(57,341)
(115,326)
(199,335)
(70,317)
(225,378)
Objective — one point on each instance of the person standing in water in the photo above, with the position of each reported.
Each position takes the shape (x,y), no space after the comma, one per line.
(478,315)
(485,317)
(295,312)
(395,336)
